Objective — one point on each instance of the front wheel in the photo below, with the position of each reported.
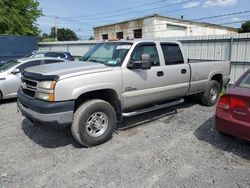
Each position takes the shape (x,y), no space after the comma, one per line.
(94,122)
(211,94)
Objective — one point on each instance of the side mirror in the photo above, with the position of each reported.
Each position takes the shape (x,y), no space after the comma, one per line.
(144,64)
(15,71)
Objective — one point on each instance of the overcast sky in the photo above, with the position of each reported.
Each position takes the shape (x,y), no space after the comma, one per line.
(82,15)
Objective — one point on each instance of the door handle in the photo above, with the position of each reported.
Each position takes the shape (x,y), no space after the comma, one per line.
(183,71)
(160,73)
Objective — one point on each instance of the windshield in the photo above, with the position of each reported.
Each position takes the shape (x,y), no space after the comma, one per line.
(111,54)
(8,65)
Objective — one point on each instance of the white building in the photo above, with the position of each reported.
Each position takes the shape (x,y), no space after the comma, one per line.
(156,26)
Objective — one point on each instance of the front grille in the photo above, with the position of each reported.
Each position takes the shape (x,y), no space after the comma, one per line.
(28,87)
(28,93)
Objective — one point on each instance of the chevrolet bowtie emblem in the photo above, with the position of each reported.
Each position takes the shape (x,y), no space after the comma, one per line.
(24,85)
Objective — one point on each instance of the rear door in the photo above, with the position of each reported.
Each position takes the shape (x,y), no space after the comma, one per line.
(142,87)
(176,71)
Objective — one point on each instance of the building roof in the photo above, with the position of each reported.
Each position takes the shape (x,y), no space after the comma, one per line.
(174,19)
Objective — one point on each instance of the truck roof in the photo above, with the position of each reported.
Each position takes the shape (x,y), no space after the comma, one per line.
(143,40)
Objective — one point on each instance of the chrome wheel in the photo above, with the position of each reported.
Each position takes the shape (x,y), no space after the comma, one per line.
(213,94)
(97,124)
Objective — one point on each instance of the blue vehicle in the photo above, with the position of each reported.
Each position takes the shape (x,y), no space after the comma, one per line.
(4,62)
(55,54)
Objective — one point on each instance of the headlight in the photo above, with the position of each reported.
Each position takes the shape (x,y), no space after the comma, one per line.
(45,90)
(45,96)
(46,84)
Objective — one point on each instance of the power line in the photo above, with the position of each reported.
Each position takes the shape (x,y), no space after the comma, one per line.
(204,4)
(176,10)
(134,12)
(222,15)
(108,12)
(104,18)
(241,21)
(218,16)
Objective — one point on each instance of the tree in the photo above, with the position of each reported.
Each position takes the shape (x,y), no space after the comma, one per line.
(64,34)
(52,32)
(91,38)
(245,27)
(18,17)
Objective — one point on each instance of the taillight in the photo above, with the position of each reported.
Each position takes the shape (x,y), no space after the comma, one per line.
(237,103)
(227,102)
(224,102)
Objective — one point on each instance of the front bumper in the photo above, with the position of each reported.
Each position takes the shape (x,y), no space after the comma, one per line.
(234,128)
(45,113)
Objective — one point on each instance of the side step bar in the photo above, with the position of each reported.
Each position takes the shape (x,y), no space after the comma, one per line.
(153,108)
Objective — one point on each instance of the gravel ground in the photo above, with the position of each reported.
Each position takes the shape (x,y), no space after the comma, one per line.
(176,150)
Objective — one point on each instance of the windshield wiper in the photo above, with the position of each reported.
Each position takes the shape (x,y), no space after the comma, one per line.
(97,61)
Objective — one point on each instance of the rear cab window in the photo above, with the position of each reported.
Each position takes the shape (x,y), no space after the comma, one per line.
(172,54)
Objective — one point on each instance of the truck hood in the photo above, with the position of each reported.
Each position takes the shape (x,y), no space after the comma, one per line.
(68,69)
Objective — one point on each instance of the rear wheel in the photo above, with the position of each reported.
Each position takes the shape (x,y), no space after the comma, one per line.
(94,123)
(1,96)
(211,94)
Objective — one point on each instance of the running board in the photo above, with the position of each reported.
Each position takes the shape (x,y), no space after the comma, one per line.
(153,108)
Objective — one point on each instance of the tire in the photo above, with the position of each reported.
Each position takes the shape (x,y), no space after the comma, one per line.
(1,97)
(94,123)
(211,94)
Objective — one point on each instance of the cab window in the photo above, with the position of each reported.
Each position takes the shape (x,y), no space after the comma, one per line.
(147,49)
(172,54)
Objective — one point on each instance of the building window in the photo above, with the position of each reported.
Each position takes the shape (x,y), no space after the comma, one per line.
(137,33)
(105,36)
(119,35)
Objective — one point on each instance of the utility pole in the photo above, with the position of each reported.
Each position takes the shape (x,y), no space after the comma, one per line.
(80,34)
(55,23)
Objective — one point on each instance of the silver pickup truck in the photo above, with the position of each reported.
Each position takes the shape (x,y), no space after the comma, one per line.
(115,80)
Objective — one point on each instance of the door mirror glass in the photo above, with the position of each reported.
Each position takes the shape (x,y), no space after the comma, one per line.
(15,71)
(144,63)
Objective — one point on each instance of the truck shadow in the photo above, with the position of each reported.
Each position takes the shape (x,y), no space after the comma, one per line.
(48,137)
(207,133)
(7,101)
(138,120)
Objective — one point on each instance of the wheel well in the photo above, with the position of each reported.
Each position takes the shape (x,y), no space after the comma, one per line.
(108,95)
(219,79)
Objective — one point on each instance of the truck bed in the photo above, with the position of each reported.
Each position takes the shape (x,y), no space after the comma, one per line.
(201,73)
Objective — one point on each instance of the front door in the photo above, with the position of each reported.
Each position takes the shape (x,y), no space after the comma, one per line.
(141,87)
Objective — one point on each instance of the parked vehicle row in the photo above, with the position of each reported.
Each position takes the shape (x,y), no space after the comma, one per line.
(116,80)
(55,54)
(41,54)
(121,79)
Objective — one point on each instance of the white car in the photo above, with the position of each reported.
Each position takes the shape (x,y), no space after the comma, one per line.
(10,74)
